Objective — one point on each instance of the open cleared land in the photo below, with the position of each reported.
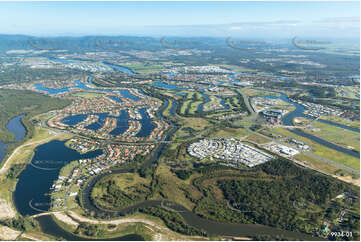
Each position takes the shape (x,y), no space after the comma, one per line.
(342,137)
(87,94)
(325,152)
(354,124)
(143,68)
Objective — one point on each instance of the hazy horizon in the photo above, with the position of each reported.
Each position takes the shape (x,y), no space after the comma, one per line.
(258,20)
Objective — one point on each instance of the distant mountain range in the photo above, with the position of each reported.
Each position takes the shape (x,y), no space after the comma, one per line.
(123,42)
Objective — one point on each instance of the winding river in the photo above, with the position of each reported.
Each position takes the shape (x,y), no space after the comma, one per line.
(211,227)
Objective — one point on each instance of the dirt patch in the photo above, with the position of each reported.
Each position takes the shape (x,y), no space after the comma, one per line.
(35,236)
(6,210)
(77,217)
(65,219)
(348,179)
(159,232)
(7,233)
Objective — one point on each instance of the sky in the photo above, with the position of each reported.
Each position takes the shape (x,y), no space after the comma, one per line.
(257,19)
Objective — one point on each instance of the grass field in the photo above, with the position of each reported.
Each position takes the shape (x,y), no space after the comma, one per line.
(184,106)
(194,107)
(87,94)
(235,101)
(237,68)
(259,93)
(144,68)
(315,163)
(166,111)
(174,188)
(129,187)
(301,121)
(149,227)
(104,231)
(354,124)
(230,133)
(214,103)
(325,152)
(336,135)
(257,139)
(197,124)
(190,105)
(349,91)
(325,167)
(124,181)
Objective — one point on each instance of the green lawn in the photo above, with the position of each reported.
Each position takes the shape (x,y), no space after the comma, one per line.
(87,94)
(336,135)
(354,124)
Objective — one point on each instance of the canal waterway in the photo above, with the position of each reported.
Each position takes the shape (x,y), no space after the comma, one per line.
(167,86)
(122,122)
(117,99)
(124,92)
(147,125)
(74,119)
(121,69)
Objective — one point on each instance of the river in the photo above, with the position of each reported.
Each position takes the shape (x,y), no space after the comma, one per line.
(211,227)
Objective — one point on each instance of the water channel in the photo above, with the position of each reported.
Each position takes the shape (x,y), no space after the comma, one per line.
(211,227)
